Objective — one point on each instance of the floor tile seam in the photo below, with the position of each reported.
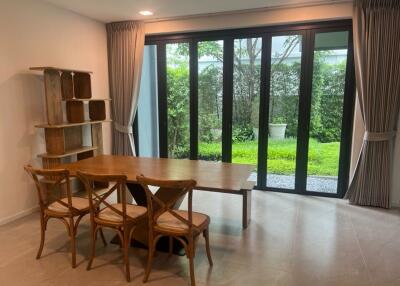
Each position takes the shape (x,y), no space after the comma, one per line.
(364,259)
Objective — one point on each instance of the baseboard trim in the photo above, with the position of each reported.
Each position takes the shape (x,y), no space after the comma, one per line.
(395,204)
(16,216)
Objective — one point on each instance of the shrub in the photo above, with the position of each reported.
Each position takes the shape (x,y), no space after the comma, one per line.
(326,104)
(242,133)
(210,102)
(327,97)
(178,110)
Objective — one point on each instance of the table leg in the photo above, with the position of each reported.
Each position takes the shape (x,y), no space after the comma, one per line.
(138,193)
(246,208)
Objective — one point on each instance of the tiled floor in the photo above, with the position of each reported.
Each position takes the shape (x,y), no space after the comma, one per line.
(292,240)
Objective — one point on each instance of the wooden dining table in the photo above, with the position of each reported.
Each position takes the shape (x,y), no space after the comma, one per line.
(210,176)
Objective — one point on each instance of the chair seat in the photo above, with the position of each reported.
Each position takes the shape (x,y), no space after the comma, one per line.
(80,204)
(168,222)
(133,211)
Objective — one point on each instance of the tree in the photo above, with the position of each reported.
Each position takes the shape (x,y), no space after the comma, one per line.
(246,86)
(178,104)
(284,95)
(210,102)
(327,96)
(284,86)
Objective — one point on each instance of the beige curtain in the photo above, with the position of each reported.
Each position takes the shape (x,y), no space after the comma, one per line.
(125,41)
(376,26)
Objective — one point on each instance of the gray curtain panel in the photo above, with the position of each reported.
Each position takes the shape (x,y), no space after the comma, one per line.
(376,25)
(125,43)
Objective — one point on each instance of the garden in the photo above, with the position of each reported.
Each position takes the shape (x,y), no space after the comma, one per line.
(326,105)
(322,158)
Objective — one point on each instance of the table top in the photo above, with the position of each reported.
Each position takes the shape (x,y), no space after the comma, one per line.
(212,176)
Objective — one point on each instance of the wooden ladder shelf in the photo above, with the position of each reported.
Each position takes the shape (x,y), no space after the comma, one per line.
(73,116)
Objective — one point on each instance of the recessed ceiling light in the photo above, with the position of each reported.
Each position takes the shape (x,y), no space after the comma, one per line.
(146,13)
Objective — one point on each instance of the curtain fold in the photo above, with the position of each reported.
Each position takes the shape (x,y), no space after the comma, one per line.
(125,43)
(376,29)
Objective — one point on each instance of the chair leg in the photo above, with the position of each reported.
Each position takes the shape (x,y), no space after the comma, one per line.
(73,241)
(93,246)
(43,224)
(102,234)
(103,238)
(126,243)
(152,247)
(120,239)
(191,261)
(207,238)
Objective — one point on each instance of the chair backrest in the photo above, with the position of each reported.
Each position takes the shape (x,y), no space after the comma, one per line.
(54,179)
(115,183)
(169,193)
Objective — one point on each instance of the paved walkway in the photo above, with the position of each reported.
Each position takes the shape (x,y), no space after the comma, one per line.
(314,183)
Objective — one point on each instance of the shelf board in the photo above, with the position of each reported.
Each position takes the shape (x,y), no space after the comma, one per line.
(66,125)
(68,153)
(57,69)
(87,99)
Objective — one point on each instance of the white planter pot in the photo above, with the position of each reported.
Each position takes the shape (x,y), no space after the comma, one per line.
(255,132)
(277,131)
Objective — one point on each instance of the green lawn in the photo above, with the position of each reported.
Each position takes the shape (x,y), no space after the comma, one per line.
(323,158)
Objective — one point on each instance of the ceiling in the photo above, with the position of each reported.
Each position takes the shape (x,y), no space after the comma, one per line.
(119,10)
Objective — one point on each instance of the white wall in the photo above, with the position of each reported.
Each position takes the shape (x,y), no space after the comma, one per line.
(36,34)
(395,198)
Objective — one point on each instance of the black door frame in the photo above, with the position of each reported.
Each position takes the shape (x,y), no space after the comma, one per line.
(308,32)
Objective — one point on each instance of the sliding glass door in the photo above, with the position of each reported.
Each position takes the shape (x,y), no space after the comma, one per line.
(330,58)
(210,85)
(246,100)
(178,120)
(279,98)
(283,105)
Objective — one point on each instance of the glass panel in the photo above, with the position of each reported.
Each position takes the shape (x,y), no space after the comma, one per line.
(178,99)
(210,69)
(283,111)
(330,56)
(246,100)
(147,106)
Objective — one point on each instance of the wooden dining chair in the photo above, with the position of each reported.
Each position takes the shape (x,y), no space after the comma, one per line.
(121,217)
(184,226)
(65,208)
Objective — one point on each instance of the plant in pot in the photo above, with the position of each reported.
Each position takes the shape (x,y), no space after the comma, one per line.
(277,128)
